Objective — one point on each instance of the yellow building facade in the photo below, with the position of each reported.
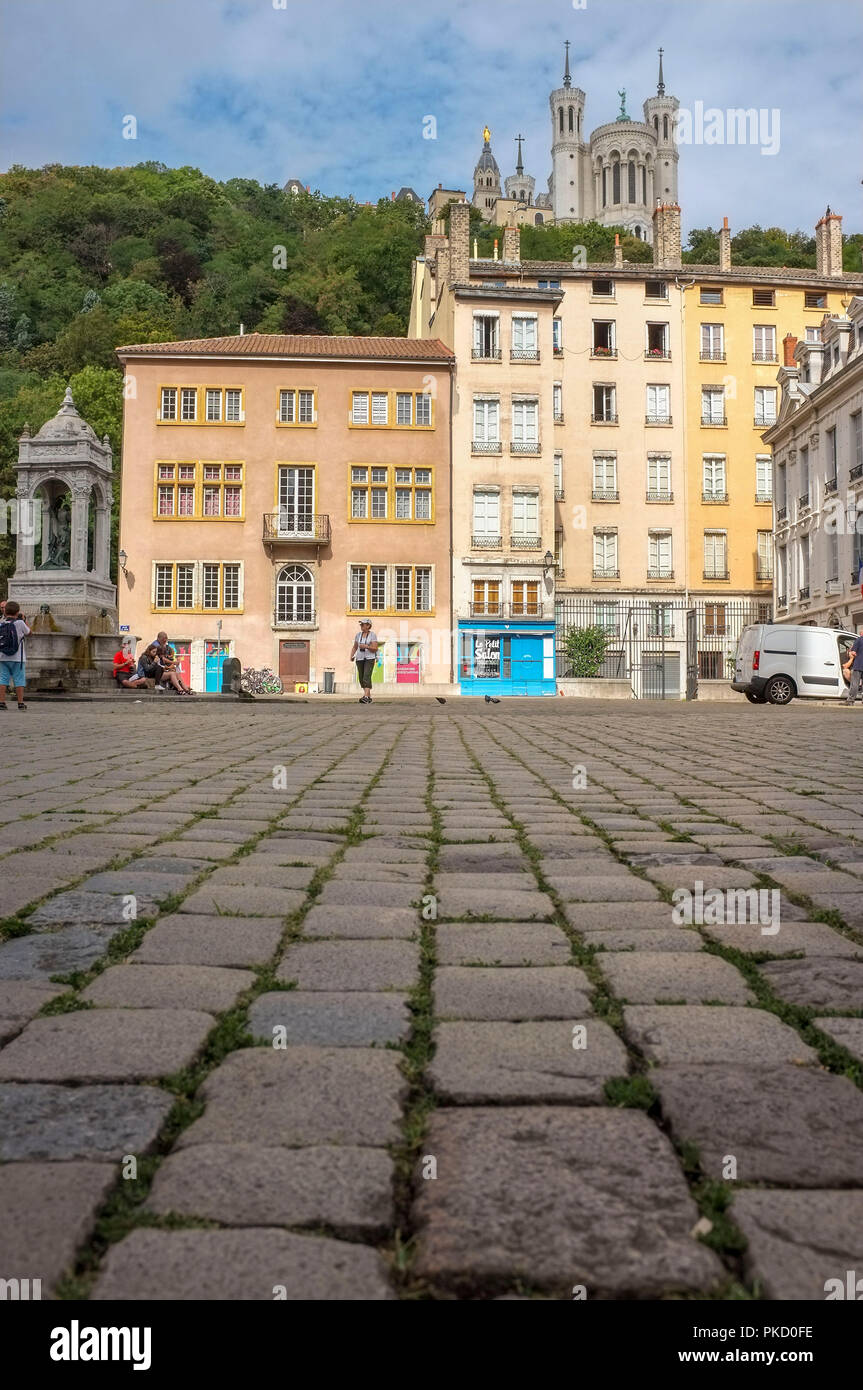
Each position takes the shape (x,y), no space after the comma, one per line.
(740,322)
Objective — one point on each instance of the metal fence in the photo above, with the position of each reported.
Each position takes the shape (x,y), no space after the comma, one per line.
(663,648)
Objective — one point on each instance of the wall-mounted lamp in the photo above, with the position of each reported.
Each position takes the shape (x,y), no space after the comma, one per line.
(122,558)
(548,561)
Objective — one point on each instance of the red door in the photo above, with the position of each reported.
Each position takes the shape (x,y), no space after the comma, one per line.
(293,663)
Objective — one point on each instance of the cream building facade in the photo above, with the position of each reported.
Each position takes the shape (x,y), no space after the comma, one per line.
(818,470)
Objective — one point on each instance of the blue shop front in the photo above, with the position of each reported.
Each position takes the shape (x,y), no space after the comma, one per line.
(506,658)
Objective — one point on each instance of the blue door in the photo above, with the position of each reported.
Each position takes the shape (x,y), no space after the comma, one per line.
(215,657)
(526,665)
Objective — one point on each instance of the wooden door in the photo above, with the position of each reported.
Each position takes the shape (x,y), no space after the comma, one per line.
(293,663)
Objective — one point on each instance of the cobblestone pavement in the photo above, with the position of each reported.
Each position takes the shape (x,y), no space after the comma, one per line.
(331,1002)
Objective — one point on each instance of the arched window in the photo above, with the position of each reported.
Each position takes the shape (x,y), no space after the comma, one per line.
(656,124)
(538,220)
(644,185)
(665,127)
(615,182)
(578,120)
(294,595)
(631,182)
(571,123)
(561,119)
(605,187)
(638,233)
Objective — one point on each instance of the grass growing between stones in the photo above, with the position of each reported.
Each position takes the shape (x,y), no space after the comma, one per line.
(417,1053)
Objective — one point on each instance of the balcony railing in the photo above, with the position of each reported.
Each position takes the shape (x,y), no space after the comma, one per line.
(559,572)
(559,494)
(831,486)
(608,418)
(517,608)
(486,542)
(803,502)
(664,354)
(714,495)
(606,573)
(763,575)
(658,495)
(558,417)
(764,422)
(600,351)
(524,355)
(765,356)
(781,513)
(855,473)
(308,619)
(525,446)
(781,600)
(712,355)
(803,591)
(657,419)
(525,542)
(660,573)
(714,420)
(485,446)
(605,494)
(715,574)
(297,530)
(482,354)
(855,576)
(766,497)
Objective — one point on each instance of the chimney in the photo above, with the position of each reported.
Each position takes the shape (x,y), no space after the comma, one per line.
(459,243)
(666,236)
(725,245)
(618,253)
(512,244)
(828,244)
(789,343)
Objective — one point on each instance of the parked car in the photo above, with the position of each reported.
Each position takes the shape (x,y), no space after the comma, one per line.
(776,661)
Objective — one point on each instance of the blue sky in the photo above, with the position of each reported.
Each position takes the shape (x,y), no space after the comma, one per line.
(335,91)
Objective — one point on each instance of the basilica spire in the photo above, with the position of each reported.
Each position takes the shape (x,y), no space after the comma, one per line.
(567,81)
(519,167)
(660,86)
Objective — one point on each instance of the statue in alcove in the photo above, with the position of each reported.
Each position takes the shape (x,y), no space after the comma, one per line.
(59,535)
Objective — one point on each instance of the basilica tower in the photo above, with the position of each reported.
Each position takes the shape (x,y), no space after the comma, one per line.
(660,114)
(567,149)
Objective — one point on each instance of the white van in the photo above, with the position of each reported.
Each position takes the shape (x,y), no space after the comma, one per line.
(776,661)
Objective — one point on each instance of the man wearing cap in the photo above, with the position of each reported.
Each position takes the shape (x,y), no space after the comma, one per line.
(364,652)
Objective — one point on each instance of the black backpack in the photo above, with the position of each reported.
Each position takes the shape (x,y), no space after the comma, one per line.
(9,639)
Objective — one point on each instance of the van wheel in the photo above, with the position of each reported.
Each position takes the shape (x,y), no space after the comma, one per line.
(780,690)
(755,699)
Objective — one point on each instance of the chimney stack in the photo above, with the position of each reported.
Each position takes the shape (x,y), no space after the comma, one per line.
(512,244)
(459,243)
(828,244)
(666,236)
(724,245)
(789,343)
(618,252)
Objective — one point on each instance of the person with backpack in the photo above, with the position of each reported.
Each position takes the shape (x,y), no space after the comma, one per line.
(13,630)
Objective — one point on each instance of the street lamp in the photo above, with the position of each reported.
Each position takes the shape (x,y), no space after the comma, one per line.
(122,558)
(548,560)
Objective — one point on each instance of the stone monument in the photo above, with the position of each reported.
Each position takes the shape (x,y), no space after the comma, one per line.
(62,574)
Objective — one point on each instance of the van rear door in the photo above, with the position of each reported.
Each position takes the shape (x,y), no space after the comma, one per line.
(746,647)
(818,670)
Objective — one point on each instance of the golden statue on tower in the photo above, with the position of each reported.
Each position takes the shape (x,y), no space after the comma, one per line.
(486,134)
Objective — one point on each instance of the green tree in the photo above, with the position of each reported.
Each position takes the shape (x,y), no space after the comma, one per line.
(585,650)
